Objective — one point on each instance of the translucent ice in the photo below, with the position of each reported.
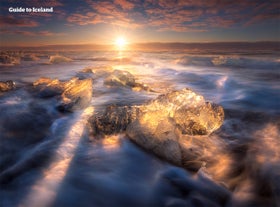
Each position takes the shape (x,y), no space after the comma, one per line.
(160,124)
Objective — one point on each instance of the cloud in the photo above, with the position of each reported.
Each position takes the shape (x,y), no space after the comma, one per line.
(124,4)
(48,3)
(177,15)
(271,13)
(18,22)
(103,7)
(17,32)
(38,3)
(206,15)
(108,12)
(48,33)
(44,33)
(80,19)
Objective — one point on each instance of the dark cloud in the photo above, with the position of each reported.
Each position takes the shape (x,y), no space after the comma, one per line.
(44,33)
(36,3)
(19,22)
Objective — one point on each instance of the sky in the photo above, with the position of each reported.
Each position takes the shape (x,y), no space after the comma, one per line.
(138,21)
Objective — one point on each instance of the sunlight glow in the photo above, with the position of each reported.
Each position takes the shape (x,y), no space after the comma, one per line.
(120,42)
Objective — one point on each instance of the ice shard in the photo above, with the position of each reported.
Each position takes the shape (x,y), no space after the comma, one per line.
(159,125)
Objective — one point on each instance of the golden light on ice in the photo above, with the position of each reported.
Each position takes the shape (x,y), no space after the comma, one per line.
(120,42)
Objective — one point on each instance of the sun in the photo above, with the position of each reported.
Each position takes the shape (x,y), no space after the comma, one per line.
(120,42)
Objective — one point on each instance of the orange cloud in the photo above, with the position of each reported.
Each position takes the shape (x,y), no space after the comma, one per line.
(124,4)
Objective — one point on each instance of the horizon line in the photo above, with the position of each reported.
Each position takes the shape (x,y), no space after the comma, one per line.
(142,43)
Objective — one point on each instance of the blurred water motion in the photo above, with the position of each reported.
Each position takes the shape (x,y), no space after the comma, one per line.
(51,158)
(43,192)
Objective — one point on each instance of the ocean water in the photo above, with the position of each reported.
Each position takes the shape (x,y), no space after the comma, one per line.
(49,158)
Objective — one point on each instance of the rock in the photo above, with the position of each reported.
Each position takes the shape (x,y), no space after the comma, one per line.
(77,95)
(7,85)
(162,124)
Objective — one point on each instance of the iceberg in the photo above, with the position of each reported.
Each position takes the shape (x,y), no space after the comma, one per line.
(59,59)
(74,94)
(161,125)
(47,87)
(121,78)
(7,85)
(9,59)
(30,57)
